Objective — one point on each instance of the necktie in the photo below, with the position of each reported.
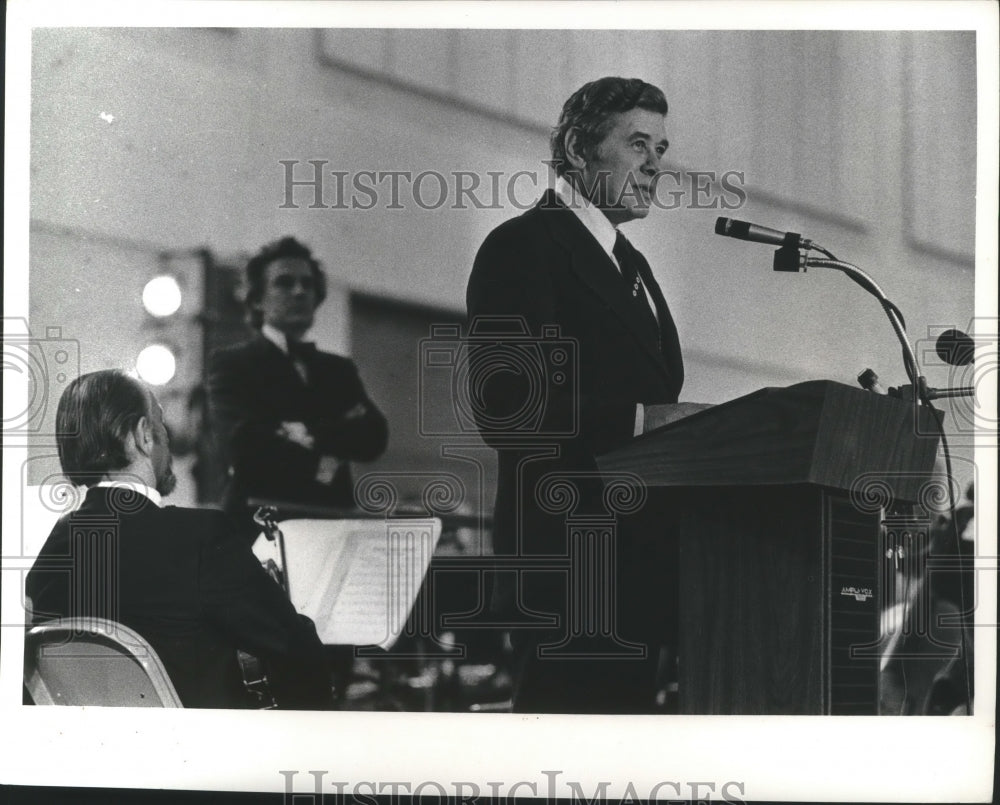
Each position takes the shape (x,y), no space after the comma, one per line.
(630,273)
(300,353)
(301,349)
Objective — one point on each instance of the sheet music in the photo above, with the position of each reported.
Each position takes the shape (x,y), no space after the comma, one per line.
(356,579)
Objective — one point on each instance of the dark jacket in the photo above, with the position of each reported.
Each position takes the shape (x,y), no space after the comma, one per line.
(183,580)
(253,387)
(548,274)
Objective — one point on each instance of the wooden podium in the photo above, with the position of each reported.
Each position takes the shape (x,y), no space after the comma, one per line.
(780,497)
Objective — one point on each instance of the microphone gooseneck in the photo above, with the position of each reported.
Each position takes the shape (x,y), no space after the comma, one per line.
(952,346)
(893,313)
(788,258)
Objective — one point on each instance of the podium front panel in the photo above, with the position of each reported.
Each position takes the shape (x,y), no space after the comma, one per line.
(780,592)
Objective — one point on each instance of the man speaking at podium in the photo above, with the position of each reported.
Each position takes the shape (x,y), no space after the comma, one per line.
(565,264)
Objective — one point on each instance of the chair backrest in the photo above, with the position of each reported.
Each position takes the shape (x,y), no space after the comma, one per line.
(92,661)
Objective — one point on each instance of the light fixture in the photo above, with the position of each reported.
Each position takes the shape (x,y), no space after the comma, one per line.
(162,296)
(156,364)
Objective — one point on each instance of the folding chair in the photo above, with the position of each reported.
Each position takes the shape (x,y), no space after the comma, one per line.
(92,661)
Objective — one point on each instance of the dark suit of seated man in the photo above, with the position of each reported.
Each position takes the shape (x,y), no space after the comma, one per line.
(288,417)
(182,578)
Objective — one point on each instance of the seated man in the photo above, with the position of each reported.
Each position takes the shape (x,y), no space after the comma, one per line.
(182,578)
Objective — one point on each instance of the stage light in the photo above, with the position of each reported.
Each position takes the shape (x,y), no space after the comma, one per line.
(162,296)
(156,364)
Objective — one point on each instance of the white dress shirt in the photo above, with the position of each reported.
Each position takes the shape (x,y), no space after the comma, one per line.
(275,336)
(328,465)
(135,486)
(280,340)
(598,225)
(605,234)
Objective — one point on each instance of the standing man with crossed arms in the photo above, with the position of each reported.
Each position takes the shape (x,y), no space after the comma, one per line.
(289,417)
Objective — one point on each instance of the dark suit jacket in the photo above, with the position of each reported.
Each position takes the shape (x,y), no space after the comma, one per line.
(545,267)
(184,581)
(253,387)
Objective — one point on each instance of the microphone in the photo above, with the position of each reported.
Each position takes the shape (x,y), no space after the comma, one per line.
(955,347)
(743,230)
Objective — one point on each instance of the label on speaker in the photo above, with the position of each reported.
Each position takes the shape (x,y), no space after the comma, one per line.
(859,593)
